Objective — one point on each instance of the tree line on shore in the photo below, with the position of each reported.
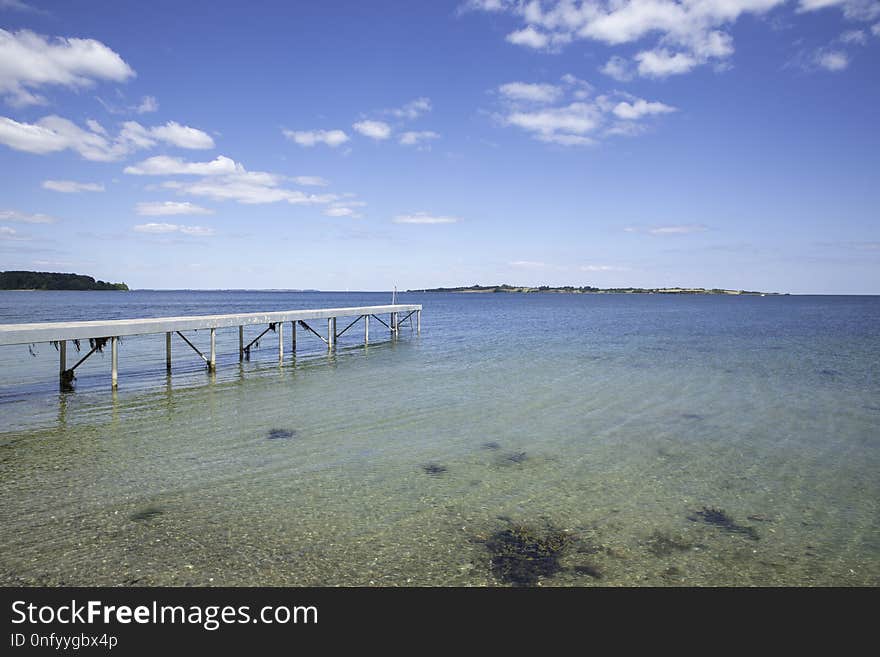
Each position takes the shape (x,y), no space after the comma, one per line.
(43,280)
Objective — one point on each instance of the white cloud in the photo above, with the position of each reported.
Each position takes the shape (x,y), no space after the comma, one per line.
(679,229)
(413,109)
(378,130)
(166,208)
(94,126)
(8,233)
(134,136)
(711,45)
(834,57)
(485,5)
(148,104)
(578,122)
(71,187)
(156,228)
(813,5)
(567,140)
(536,264)
(537,93)
(859,10)
(248,187)
(51,134)
(661,63)
(340,211)
(424,218)
(197,231)
(163,165)
(597,268)
(875,29)
(565,125)
(692,28)
(54,133)
(18,5)
(528,264)
(639,108)
(162,228)
(416,138)
(618,68)
(625,129)
(580,89)
(182,136)
(311,181)
(29,61)
(857,37)
(832,60)
(346,208)
(529,37)
(332,138)
(26,218)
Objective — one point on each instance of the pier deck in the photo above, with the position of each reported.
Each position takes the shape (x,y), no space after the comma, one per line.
(98,333)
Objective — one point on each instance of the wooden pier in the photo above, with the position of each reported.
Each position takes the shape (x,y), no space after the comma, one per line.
(100,333)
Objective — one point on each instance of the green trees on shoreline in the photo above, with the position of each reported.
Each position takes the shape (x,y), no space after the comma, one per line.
(42,280)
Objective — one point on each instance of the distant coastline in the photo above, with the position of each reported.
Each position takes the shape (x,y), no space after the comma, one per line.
(569,289)
(43,280)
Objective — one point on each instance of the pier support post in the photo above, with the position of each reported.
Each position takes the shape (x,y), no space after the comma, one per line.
(331,332)
(280,327)
(168,351)
(366,329)
(241,344)
(62,357)
(418,321)
(393,324)
(293,338)
(114,361)
(212,363)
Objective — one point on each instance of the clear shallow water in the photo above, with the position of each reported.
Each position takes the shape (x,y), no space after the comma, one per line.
(616,419)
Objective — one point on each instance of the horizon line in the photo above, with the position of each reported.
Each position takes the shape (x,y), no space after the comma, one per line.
(413,291)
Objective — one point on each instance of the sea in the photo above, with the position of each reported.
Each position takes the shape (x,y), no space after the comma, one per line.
(571,440)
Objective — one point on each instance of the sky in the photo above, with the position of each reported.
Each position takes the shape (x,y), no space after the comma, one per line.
(366,145)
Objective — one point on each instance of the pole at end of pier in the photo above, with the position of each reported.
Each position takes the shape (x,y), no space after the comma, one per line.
(114,361)
(62,356)
(418,321)
(293,338)
(240,344)
(212,364)
(366,329)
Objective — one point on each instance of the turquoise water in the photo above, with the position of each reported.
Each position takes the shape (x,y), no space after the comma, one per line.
(618,422)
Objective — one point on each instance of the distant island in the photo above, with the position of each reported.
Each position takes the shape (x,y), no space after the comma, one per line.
(586,289)
(43,280)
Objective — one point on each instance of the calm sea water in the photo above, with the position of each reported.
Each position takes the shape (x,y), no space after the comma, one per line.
(622,423)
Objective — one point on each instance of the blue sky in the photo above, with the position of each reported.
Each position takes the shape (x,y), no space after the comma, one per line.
(352,145)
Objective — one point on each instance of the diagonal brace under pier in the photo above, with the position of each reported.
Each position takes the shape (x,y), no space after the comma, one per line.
(256,340)
(67,374)
(210,362)
(350,325)
(309,328)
